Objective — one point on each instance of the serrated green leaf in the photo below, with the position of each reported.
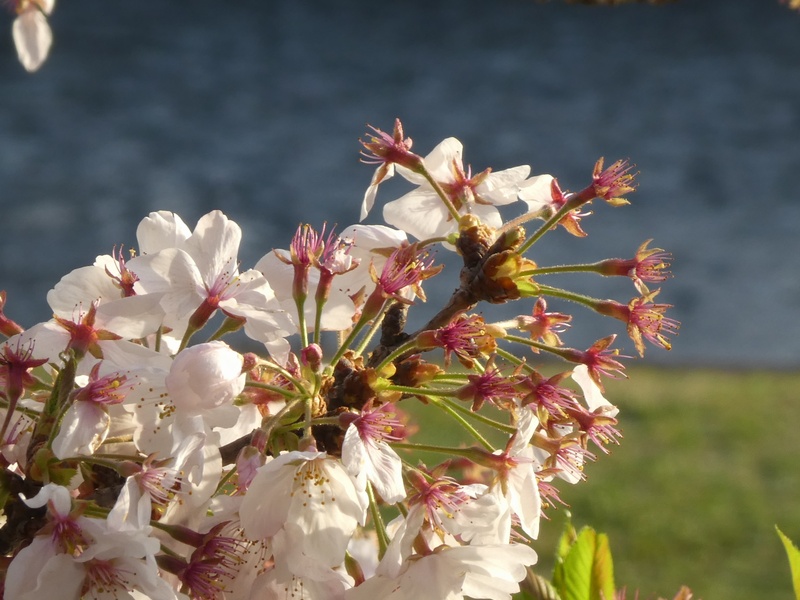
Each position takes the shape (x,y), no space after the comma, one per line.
(578,567)
(587,571)
(565,542)
(794,561)
(602,570)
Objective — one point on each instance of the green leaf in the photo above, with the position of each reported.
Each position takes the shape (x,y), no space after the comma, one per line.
(587,571)
(565,542)
(794,561)
(603,570)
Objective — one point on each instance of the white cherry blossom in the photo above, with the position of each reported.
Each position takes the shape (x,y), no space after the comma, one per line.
(314,493)
(453,573)
(200,275)
(368,457)
(423,214)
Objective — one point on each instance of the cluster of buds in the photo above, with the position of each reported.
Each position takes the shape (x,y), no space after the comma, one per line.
(140,461)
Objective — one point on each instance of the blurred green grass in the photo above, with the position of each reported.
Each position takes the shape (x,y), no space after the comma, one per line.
(708,465)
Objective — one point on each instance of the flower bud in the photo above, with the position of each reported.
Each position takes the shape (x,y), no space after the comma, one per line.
(311,356)
(205,376)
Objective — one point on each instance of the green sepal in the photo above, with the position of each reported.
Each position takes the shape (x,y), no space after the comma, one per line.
(49,469)
(527,288)
(286,441)
(45,427)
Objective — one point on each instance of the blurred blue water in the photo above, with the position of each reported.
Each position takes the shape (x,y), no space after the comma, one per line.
(256,107)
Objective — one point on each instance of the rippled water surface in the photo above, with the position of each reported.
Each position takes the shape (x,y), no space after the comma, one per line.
(256,107)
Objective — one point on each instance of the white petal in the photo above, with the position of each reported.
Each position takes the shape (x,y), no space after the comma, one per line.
(34,575)
(381,174)
(401,546)
(502,187)
(376,462)
(266,504)
(56,494)
(523,494)
(493,572)
(133,317)
(160,230)
(132,510)
(84,427)
(214,245)
(420,213)
(439,162)
(372,244)
(535,192)
(173,273)
(526,427)
(369,237)
(32,37)
(79,288)
(592,393)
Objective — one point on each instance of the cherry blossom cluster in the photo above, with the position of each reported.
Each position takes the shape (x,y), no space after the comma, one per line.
(144,456)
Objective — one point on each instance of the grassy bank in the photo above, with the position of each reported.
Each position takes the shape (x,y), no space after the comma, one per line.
(709,464)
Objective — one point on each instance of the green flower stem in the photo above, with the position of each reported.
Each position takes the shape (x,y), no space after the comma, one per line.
(229,325)
(441,193)
(446,407)
(112,462)
(433,241)
(452,378)
(380,528)
(164,549)
(464,452)
(159,334)
(318,321)
(376,323)
(191,329)
(302,326)
(272,388)
(362,322)
(511,357)
(307,418)
(119,439)
(571,296)
(33,414)
(573,202)
(565,353)
(582,268)
(90,509)
(415,391)
(298,383)
(399,351)
(315,422)
(116,458)
(269,423)
(479,417)
(224,479)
